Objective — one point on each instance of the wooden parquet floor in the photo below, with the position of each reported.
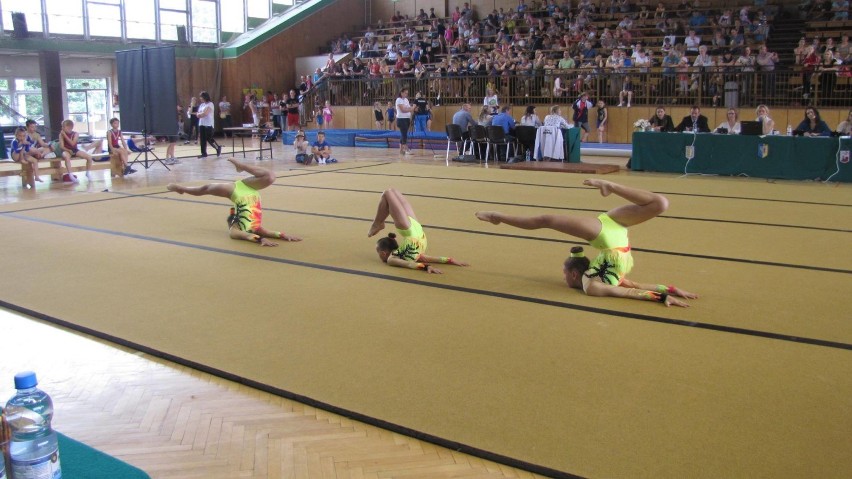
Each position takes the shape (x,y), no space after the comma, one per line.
(176,422)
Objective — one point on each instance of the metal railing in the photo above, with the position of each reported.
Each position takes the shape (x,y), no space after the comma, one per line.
(782,87)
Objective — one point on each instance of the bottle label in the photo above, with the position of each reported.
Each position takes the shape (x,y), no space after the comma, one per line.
(45,467)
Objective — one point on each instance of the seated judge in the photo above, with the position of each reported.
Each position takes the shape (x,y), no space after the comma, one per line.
(731,125)
(813,125)
(661,121)
(695,122)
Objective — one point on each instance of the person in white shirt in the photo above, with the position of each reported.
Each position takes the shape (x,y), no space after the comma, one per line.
(692,42)
(491,101)
(403,120)
(205,125)
(530,118)
(555,118)
(731,125)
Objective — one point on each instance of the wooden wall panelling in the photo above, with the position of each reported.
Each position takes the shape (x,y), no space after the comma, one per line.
(270,65)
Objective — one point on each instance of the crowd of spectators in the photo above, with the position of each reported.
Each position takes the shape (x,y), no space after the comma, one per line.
(558,49)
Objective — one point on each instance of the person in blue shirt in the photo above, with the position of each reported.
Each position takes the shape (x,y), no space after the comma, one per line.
(20,149)
(504,120)
(322,150)
(813,125)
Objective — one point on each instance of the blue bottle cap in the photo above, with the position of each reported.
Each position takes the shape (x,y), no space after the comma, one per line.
(25,380)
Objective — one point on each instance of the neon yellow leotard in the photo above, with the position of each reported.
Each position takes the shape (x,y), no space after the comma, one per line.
(614,260)
(413,242)
(248,212)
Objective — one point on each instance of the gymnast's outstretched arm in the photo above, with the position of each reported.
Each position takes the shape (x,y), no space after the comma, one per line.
(597,288)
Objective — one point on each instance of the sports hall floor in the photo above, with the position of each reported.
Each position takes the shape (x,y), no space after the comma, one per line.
(754,380)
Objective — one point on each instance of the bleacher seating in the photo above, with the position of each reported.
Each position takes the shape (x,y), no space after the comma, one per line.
(448,78)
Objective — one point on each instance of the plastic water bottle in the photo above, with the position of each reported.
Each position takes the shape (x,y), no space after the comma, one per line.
(789,130)
(528,155)
(33,445)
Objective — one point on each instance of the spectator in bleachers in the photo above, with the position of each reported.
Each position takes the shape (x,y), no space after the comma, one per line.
(719,42)
(746,65)
(615,68)
(800,51)
(660,13)
(736,40)
(840,8)
(692,42)
(767,60)
(809,66)
(828,74)
(844,49)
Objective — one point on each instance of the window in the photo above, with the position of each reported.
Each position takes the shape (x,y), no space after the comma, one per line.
(233,16)
(64,16)
(27,99)
(258,8)
(140,18)
(169,23)
(5,103)
(30,9)
(104,18)
(204,21)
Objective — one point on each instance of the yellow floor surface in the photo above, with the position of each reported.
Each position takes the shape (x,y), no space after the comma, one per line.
(752,381)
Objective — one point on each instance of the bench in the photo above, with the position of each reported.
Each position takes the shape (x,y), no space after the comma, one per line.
(55,167)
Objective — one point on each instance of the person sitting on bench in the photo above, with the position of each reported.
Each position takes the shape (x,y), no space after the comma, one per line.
(22,153)
(68,145)
(117,146)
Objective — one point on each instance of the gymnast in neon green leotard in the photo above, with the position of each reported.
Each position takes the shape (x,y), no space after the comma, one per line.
(410,251)
(606,275)
(245,220)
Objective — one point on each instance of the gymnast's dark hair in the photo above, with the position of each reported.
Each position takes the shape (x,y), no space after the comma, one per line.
(577,261)
(388,243)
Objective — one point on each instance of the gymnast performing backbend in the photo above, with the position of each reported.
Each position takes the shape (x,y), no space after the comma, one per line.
(606,275)
(410,252)
(244,222)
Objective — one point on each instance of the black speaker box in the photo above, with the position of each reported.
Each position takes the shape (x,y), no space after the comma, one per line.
(181,34)
(19,23)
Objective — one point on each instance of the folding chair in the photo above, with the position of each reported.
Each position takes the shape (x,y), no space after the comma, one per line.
(144,150)
(454,135)
(497,137)
(478,137)
(525,136)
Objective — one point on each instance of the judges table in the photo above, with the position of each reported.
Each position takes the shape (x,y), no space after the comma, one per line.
(791,158)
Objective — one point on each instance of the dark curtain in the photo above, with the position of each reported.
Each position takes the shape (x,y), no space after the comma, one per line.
(147,90)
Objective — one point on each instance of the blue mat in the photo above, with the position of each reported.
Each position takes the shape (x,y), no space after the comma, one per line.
(80,461)
(371,138)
